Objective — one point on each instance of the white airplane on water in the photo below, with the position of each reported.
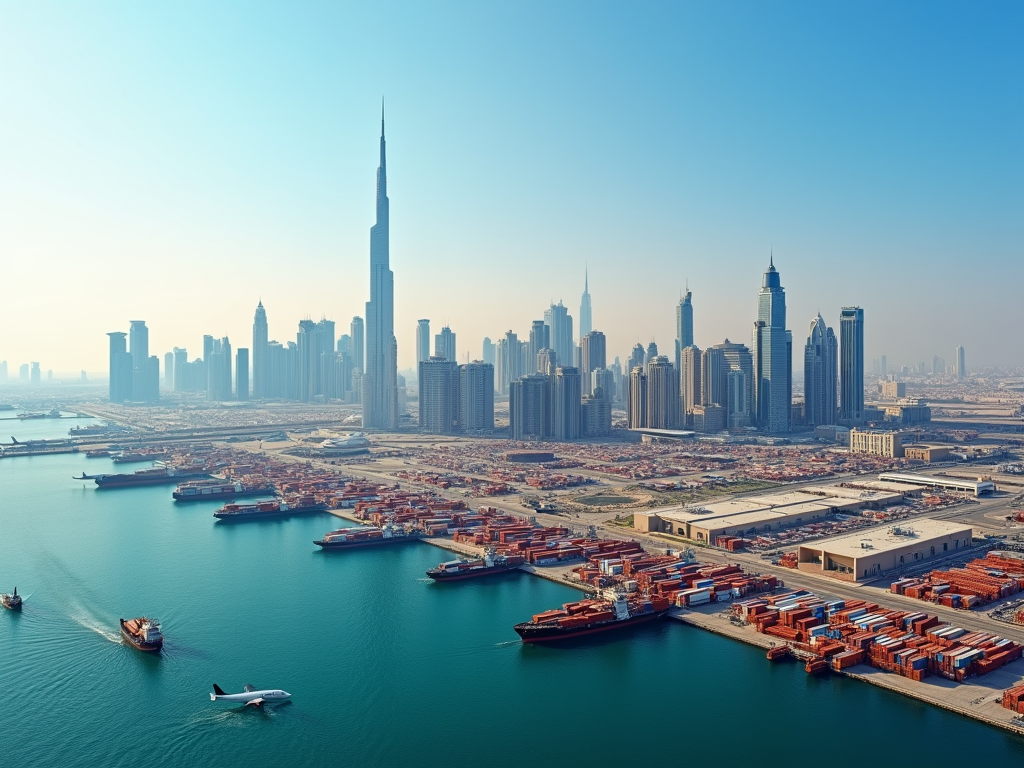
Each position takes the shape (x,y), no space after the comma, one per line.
(250,696)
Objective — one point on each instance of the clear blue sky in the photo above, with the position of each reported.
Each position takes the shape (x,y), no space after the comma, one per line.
(175,162)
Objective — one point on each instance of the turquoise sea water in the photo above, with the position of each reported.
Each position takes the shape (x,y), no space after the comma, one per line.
(386,668)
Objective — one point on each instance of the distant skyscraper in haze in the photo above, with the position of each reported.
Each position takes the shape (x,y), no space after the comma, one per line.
(444,345)
(487,353)
(120,368)
(422,340)
(851,365)
(439,396)
(820,375)
(773,357)
(260,340)
(540,338)
(714,387)
(529,408)
(169,370)
(3,371)
(684,324)
(636,398)
(242,374)
(650,353)
(961,363)
(636,358)
(586,318)
(593,347)
(380,379)
(357,334)
(559,320)
(662,394)
(690,380)
(476,393)
(566,404)
(145,368)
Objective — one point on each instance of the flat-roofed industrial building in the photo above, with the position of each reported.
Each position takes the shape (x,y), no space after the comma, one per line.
(867,555)
(751,515)
(977,487)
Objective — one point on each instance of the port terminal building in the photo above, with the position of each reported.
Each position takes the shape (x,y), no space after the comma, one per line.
(958,484)
(751,515)
(866,555)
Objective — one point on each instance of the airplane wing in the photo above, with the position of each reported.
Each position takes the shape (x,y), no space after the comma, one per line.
(249,688)
(257,702)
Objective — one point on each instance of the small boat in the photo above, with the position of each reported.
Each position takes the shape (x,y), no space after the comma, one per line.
(11,601)
(143,633)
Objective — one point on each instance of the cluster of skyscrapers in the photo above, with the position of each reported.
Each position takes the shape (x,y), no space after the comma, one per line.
(134,373)
(560,385)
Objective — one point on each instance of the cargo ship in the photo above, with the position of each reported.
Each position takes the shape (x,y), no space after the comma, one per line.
(143,633)
(490,563)
(216,489)
(155,476)
(264,509)
(136,457)
(11,601)
(366,536)
(615,611)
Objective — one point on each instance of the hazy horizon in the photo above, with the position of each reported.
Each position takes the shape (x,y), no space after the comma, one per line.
(177,164)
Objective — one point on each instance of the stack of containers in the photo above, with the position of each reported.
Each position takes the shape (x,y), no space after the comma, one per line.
(1013,699)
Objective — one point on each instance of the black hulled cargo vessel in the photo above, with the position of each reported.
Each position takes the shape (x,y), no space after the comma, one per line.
(491,563)
(155,476)
(261,510)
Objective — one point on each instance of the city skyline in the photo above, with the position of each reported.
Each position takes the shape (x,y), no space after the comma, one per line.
(934,193)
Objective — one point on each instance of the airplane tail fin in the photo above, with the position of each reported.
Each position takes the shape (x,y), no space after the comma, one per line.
(218,690)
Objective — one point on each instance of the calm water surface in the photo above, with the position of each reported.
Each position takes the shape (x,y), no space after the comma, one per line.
(385,667)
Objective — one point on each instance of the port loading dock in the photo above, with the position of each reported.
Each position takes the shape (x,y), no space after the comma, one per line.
(869,554)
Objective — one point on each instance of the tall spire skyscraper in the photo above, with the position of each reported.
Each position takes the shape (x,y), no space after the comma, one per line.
(380,379)
(684,324)
(773,356)
(260,341)
(586,319)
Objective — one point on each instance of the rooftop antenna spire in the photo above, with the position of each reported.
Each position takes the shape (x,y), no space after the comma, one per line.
(381,115)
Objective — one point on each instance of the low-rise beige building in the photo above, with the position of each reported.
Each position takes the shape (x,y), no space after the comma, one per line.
(920,452)
(893,390)
(876,442)
(867,555)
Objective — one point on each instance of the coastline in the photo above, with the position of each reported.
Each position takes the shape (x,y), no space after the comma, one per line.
(977,698)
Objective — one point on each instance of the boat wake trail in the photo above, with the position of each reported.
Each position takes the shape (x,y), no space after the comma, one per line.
(506,643)
(86,620)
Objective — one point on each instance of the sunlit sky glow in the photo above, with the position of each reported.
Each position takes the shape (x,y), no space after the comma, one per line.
(176,162)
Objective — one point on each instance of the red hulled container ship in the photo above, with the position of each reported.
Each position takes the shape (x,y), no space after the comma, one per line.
(584,617)
(367,535)
(143,633)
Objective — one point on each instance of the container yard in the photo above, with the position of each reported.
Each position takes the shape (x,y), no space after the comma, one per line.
(981,581)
